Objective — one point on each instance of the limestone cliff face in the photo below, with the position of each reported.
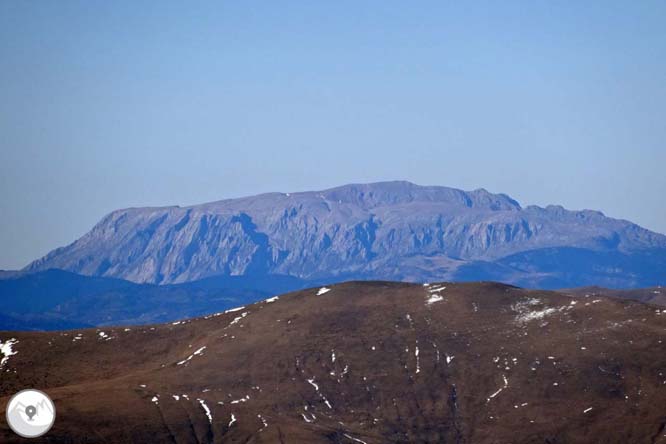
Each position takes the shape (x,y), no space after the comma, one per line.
(391,230)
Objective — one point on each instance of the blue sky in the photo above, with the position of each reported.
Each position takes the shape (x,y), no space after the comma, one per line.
(115,104)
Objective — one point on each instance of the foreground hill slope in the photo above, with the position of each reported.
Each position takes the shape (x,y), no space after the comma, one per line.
(371,362)
(654,295)
(390,231)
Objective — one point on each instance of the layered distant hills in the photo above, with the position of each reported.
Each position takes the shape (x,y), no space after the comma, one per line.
(58,300)
(360,362)
(390,230)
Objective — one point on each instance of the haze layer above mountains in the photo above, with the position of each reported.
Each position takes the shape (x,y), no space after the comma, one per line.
(389,230)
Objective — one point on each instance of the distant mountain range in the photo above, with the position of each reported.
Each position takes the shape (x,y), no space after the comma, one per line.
(389,230)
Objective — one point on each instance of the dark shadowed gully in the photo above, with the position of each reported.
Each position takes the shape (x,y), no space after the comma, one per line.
(371,362)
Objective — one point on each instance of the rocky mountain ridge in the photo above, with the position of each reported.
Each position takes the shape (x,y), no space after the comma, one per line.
(389,230)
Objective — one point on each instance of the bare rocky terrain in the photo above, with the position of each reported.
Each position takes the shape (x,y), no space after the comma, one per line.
(389,231)
(360,362)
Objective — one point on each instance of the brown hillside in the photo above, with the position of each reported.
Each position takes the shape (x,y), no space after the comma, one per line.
(371,362)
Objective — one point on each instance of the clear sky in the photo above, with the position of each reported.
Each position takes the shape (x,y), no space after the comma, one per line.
(111,104)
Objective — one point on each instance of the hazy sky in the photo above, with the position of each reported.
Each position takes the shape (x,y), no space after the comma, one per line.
(114,104)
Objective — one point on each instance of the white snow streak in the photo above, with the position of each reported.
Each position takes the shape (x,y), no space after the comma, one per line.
(231,310)
(434,298)
(313,384)
(198,352)
(206,409)
(7,351)
(306,418)
(323,398)
(263,421)
(237,319)
(418,362)
(355,439)
(506,384)
(323,290)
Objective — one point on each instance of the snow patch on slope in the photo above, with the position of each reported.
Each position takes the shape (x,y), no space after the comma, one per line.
(6,349)
(532,309)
